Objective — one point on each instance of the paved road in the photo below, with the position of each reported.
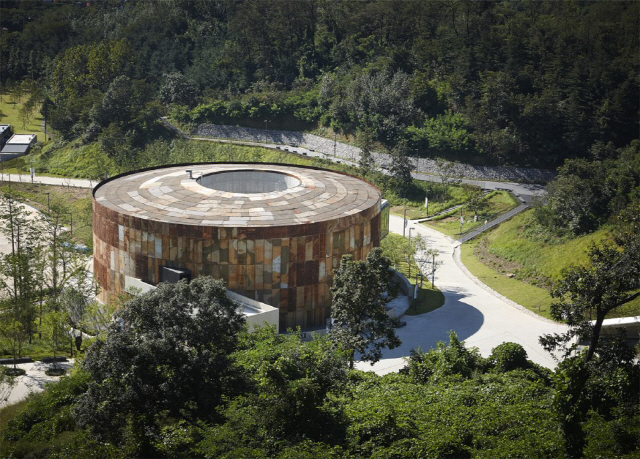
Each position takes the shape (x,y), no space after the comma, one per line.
(526,192)
(59,181)
(479,317)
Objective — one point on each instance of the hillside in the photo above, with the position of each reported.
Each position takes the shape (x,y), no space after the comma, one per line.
(520,265)
(521,83)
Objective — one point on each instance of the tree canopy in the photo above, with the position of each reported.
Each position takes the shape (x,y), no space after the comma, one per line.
(167,354)
(360,320)
(527,82)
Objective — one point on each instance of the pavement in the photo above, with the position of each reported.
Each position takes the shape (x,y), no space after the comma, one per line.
(479,316)
(58,181)
(34,380)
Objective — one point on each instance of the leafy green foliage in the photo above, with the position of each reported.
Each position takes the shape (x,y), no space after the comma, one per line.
(177,89)
(453,79)
(587,193)
(167,354)
(299,400)
(444,135)
(44,425)
(611,280)
(288,397)
(508,356)
(452,360)
(360,320)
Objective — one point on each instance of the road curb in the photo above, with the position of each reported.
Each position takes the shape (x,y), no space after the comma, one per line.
(474,279)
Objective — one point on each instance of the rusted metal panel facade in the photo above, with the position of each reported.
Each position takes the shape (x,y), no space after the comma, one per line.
(289,267)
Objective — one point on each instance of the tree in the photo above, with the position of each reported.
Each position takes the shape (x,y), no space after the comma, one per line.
(166,355)
(609,281)
(446,170)
(178,89)
(401,167)
(117,102)
(360,320)
(366,161)
(475,199)
(289,382)
(20,275)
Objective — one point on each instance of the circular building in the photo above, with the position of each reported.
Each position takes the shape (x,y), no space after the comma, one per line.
(273,232)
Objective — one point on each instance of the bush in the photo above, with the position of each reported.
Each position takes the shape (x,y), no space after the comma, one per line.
(509,356)
(15,372)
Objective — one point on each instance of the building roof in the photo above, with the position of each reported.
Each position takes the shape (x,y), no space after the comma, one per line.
(15,148)
(4,127)
(237,195)
(21,139)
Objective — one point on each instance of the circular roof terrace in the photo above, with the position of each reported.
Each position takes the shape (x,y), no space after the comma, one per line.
(236,194)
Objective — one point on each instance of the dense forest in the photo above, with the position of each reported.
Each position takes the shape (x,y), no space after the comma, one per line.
(521,82)
(183,379)
(551,84)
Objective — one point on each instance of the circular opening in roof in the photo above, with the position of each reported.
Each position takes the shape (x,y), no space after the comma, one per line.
(248,181)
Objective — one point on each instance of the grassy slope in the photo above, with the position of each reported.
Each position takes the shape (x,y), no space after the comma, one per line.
(10,115)
(534,298)
(416,209)
(530,260)
(499,202)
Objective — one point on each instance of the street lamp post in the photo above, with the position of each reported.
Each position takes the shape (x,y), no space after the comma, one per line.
(404,222)
(48,206)
(71,215)
(433,271)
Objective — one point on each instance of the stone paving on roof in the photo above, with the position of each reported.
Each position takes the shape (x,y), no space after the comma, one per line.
(169,195)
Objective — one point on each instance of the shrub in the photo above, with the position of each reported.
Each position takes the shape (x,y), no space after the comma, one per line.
(509,356)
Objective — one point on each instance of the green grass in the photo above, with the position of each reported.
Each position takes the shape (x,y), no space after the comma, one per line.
(499,202)
(39,348)
(415,208)
(515,248)
(10,115)
(531,297)
(76,201)
(548,258)
(9,412)
(75,160)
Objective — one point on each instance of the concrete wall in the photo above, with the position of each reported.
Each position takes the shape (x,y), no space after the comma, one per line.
(255,312)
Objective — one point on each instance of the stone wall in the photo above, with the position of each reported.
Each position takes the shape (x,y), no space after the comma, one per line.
(351,153)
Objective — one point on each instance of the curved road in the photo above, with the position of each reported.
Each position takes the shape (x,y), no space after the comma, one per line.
(478,316)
